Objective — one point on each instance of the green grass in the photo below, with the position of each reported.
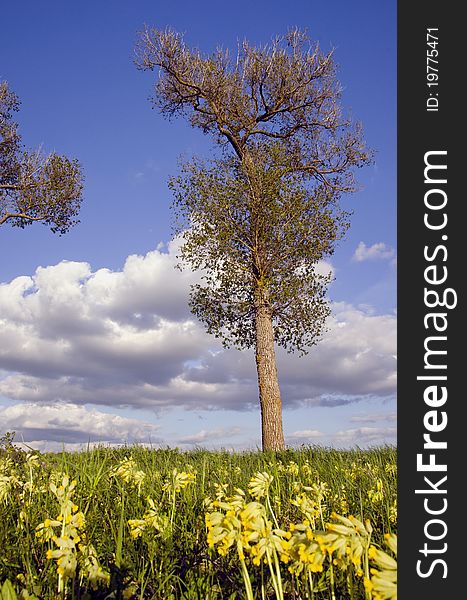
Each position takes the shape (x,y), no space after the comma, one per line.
(174,561)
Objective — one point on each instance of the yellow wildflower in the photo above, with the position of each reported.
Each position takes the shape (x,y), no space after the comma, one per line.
(383,583)
(259,484)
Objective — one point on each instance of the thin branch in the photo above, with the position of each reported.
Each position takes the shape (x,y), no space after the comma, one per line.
(25,216)
(10,186)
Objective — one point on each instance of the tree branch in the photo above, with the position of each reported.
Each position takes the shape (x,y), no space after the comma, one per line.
(25,216)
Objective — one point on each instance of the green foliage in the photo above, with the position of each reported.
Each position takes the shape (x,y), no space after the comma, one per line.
(9,449)
(7,591)
(257,220)
(240,245)
(33,186)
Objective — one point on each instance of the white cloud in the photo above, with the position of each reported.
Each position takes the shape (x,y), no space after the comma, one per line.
(355,358)
(359,436)
(127,339)
(365,436)
(205,436)
(322,267)
(378,251)
(73,424)
(305,434)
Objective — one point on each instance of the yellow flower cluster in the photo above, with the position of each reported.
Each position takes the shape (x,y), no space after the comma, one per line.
(9,479)
(310,501)
(153,519)
(259,485)
(376,494)
(383,582)
(178,481)
(361,470)
(16,485)
(344,542)
(127,470)
(292,468)
(393,512)
(340,501)
(71,546)
(302,551)
(233,522)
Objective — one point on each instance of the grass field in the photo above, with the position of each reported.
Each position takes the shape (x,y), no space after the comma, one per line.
(134,522)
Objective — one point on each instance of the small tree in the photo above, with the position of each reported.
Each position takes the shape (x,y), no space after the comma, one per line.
(258,218)
(33,186)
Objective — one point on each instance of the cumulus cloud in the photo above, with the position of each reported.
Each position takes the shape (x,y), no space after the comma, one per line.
(378,251)
(74,424)
(73,337)
(353,361)
(70,334)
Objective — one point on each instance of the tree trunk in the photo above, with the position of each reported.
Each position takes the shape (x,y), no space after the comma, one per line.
(272,434)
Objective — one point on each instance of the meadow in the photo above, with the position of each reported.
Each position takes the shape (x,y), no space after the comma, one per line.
(164,524)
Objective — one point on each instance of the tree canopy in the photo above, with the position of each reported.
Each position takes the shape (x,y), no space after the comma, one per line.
(34,186)
(239,246)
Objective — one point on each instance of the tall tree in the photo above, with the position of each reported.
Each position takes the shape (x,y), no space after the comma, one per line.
(258,218)
(34,186)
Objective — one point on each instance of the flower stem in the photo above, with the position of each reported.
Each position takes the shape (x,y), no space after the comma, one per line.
(246,579)
(275,582)
(268,501)
(278,573)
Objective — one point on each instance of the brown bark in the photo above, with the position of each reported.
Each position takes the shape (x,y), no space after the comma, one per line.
(272,435)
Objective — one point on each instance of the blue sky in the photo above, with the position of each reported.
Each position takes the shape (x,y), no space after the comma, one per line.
(96,340)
